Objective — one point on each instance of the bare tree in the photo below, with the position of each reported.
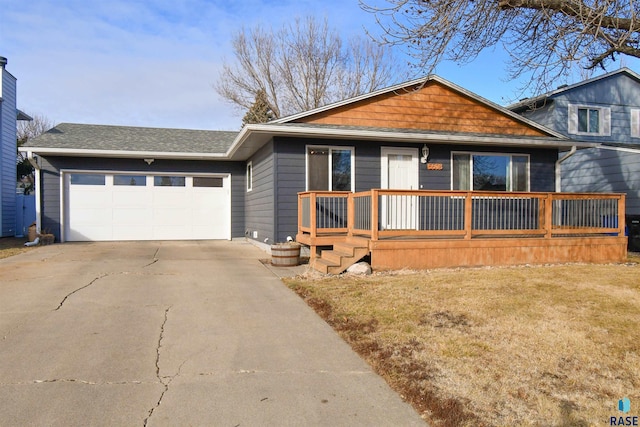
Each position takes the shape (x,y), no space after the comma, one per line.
(546,39)
(29,129)
(304,65)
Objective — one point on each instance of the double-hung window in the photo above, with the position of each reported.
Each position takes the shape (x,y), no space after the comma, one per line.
(489,172)
(589,120)
(330,168)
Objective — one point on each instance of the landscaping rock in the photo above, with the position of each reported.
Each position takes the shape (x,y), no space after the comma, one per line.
(360,268)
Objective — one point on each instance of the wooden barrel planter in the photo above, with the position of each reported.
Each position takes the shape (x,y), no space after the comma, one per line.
(285,255)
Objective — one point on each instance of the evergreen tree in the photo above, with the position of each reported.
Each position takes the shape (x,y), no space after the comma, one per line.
(260,111)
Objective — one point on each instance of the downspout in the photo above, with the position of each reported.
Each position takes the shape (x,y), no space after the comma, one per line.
(36,167)
(559,168)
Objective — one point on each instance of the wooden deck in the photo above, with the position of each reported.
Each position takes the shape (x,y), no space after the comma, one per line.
(432,229)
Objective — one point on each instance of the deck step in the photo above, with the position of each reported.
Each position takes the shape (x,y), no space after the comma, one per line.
(343,255)
(322,265)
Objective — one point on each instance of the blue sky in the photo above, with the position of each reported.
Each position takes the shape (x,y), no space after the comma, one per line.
(154,62)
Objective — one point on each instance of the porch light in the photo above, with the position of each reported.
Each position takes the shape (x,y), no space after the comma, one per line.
(149,161)
(425,153)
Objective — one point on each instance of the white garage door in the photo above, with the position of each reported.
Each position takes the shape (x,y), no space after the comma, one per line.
(123,206)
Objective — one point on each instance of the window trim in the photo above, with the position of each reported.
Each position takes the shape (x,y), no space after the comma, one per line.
(490,153)
(604,120)
(249,176)
(330,148)
(634,122)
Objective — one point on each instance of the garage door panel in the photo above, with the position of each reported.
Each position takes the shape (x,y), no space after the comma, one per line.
(91,216)
(140,197)
(169,232)
(169,197)
(90,233)
(90,197)
(148,212)
(173,217)
(131,216)
(130,232)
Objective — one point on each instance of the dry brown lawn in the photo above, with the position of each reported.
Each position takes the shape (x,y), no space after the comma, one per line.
(10,246)
(539,346)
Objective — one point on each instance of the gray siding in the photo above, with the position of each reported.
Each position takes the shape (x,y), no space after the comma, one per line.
(619,92)
(604,170)
(289,170)
(599,170)
(260,200)
(50,182)
(7,154)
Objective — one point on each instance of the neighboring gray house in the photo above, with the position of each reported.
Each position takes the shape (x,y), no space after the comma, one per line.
(9,114)
(605,110)
(100,182)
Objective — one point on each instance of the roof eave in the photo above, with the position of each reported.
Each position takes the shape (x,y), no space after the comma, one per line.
(75,152)
(566,88)
(267,131)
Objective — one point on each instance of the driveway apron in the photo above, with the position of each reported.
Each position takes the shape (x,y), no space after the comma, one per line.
(173,333)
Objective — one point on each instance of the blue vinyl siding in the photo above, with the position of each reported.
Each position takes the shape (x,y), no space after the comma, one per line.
(618,92)
(7,154)
(599,170)
(604,170)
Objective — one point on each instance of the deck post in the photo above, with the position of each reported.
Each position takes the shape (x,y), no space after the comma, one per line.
(622,207)
(313,215)
(299,213)
(374,214)
(548,215)
(468,215)
(351,214)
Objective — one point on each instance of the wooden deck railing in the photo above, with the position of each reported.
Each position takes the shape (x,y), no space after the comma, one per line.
(459,214)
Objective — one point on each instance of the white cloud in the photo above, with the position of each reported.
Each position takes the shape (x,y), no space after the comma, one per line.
(135,62)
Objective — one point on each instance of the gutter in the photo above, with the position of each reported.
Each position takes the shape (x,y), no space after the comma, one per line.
(126,154)
(559,168)
(36,181)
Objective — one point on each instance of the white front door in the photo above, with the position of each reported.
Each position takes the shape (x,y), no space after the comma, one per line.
(399,172)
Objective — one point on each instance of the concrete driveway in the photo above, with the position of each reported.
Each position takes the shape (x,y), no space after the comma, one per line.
(173,333)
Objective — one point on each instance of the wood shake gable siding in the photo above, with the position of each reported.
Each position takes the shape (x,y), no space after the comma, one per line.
(435,107)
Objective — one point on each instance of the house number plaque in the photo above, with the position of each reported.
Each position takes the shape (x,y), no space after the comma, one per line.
(434,166)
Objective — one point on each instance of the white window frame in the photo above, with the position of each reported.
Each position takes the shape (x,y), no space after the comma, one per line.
(330,148)
(635,122)
(486,153)
(249,176)
(604,120)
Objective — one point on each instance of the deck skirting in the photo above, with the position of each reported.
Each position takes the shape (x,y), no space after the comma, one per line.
(425,254)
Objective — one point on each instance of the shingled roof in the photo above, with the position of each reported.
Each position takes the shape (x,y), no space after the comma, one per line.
(138,139)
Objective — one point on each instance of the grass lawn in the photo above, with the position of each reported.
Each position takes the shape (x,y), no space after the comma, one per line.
(548,345)
(10,246)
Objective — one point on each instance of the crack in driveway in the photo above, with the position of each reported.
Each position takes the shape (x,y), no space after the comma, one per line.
(74,380)
(79,289)
(155,258)
(164,380)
